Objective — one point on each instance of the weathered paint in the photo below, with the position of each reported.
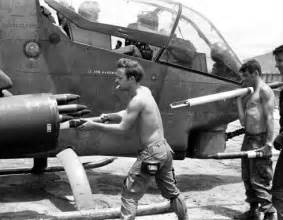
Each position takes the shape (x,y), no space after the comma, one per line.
(69,67)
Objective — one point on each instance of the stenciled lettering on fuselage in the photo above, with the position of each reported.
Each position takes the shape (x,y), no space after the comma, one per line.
(20,26)
(100,72)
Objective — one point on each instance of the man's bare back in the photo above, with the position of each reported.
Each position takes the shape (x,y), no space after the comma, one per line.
(150,128)
(255,120)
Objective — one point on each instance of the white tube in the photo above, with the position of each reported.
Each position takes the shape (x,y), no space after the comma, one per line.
(77,178)
(212,98)
(111,213)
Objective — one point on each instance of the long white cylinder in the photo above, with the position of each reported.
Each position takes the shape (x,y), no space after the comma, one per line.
(77,178)
(111,213)
(212,98)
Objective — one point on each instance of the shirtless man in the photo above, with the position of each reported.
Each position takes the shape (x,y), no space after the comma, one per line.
(256,115)
(155,155)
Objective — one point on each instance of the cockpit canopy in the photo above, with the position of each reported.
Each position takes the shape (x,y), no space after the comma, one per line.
(176,34)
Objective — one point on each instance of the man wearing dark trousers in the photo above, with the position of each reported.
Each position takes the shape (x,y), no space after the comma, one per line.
(256,115)
(277,188)
(154,158)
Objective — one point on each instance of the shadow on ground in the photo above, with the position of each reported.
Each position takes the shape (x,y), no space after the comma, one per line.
(100,182)
(23,188)
(222,210)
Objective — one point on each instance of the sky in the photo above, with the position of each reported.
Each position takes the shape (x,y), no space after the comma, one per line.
(251,27)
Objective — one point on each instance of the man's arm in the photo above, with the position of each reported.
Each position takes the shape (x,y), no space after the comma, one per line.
(128,120)
(115,117)
(268,108)
(241,112)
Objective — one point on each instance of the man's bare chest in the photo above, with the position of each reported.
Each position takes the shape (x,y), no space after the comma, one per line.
(253,101)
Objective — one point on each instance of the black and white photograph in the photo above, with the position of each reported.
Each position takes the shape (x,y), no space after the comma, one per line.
(141,109)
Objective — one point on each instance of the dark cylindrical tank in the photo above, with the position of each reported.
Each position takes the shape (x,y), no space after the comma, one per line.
(29,124)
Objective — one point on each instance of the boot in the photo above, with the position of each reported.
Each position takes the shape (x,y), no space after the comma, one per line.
(269,216)
(252,214)
(179,207)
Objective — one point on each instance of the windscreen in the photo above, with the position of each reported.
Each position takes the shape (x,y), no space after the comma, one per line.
(198,45)
(140,15)
(195,44)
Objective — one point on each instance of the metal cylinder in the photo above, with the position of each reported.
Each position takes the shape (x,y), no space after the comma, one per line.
(211,98)
(242,154)
(65,98)
(77,178)
(28,124)
(71,108)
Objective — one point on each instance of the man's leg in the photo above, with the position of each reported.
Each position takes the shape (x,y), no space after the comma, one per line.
(261,177)
(278,204)
(166,182)
(178,205)
(133,189)
(246,177)
(248,144)
(277,188)
(253,212)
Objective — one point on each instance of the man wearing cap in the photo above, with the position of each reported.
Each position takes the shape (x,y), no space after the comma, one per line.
(256,115)
(277,188)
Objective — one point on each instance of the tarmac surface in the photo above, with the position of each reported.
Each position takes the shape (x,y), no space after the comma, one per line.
(213,189)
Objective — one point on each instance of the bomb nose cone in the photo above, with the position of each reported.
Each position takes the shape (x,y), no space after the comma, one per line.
(72,108)
(65,98)
(80,113)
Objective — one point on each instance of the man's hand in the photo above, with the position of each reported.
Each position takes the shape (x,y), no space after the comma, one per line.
(87,125)
(105,118)
(266,150)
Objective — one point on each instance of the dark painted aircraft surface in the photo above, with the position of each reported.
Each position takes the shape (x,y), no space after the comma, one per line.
(66,51)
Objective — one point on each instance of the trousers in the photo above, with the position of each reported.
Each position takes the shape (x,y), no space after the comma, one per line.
(257,174)
(277,188)
(137,181)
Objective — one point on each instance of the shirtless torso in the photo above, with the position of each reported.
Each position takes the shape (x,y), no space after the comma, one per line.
(255,120)
(141,110)
(258,111)
(149,121)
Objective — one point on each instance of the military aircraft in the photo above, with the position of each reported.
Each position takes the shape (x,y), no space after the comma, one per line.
(73,48)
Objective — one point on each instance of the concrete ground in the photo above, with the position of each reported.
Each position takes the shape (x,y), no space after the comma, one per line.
(212,188)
